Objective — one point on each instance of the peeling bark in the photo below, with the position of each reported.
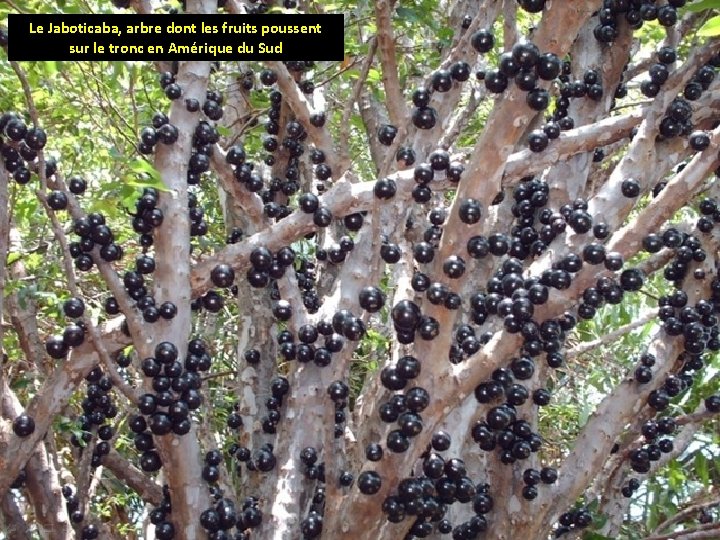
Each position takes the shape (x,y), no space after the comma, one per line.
(567,179)
(49,401)
(386,51)
(4,243)
(487,162)
(180,454)
(12,519)
(135,479)
(42,485)
(344,198)
(496,162)
(299,105)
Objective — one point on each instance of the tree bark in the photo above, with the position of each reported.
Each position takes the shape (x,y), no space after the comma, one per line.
(182,462)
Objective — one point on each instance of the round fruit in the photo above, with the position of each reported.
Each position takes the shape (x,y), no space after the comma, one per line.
(371,299)
(482,40)
(630,188)
(55,347)
(385,188)
(369,482)
(74,307)
(470,211)
(424,117)
(57,200)
(23,425)
(222,275)
(699,141)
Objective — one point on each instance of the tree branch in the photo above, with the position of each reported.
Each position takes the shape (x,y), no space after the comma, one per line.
(609,483)
(14,522)
(250,205)
(180,454)
(704,532)
(135,479)
(385,39)
(41,482)
(4,241)
(690,511)
(50,400)
(510,31)
(93,333)
(642,65)
(343,144)
(586,346)
(299,105)
(606,205)
(487,163)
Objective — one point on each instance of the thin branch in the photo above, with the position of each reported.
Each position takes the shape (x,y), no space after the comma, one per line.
(656,261)
(344,139)
(14,523)
(14,6)
(694,418)
(372,117)
(643,64)
(25,321)
(397,109)
(85,473)
(135,479)
(299,105)
(709,531)
(94,335)
(485,17)
(249,203)
(609,483)
(586,346)
(4,241)
(690,511)
(50,399)
(462,119)
(510,31)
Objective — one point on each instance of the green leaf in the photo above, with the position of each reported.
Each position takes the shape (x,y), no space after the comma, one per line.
(141,166)
(702,5)
(711,28)
(148,176)
(374,75)
(143,182)
(595,536)
(446,34)
(23,294)
(116,154)
(22,383)
(676,477)
(701,468)
(407,14)
(13,257)
(50,69)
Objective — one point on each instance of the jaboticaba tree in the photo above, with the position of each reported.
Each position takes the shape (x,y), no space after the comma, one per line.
(462,284)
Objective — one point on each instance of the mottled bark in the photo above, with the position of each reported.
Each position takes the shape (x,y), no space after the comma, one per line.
(180,455)
(135,479)
(52,397)
(13,521)
(302,110)
(385,37)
